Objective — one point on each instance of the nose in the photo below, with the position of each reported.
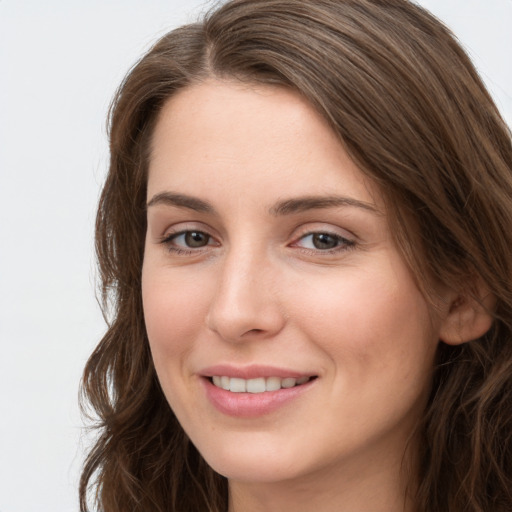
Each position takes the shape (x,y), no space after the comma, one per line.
(245,304)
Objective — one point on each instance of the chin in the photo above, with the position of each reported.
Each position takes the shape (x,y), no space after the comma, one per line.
(253,462)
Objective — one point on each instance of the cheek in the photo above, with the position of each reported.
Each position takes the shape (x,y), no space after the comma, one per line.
(372,324)
(380,342)
(174,311)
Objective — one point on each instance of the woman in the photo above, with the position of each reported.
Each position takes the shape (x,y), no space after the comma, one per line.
(305,239)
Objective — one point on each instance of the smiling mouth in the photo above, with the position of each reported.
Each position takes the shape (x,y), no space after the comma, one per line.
(257,385)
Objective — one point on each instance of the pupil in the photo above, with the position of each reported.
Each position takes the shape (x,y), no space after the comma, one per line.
(196,239)
(324,241)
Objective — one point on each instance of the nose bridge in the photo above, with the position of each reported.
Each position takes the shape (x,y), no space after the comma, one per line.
(245,303)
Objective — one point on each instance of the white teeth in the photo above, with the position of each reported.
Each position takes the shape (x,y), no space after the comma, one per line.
(237,385)
(258,385)
(289,382)
(273,384)
(224,383)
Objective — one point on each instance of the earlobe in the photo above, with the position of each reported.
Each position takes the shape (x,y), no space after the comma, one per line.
(467,319)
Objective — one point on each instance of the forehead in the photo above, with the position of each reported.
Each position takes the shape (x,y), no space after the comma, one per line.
(228,116)
(220,135)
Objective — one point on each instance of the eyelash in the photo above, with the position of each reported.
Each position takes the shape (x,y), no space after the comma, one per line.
(342,243)
(182,251)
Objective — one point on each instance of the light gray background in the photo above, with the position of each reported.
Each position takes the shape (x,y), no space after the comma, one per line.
(60,62)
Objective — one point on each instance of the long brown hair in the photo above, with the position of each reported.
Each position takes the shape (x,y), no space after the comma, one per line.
(411,110)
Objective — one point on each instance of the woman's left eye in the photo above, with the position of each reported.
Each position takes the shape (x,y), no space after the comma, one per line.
(323,242)
(193,239)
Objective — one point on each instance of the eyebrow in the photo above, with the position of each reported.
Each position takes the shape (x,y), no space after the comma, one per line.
(302,204)
(284,207)
(182,201)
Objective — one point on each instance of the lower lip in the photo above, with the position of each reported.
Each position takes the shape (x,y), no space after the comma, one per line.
(251,405)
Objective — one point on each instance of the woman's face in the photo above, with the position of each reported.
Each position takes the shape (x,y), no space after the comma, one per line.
(270,270)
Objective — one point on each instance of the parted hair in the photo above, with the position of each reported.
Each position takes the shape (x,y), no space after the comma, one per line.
(411,110)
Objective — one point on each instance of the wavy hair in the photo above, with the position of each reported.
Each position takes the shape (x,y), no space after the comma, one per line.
(409,107)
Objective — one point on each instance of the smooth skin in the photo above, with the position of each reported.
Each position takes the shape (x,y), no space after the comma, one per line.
(246,262)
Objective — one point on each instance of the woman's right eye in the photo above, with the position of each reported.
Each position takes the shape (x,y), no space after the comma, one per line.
(187,241)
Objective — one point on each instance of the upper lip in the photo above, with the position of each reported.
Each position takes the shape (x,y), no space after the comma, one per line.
(251,372)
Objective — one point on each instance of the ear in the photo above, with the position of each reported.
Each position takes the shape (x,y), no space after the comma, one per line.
(468,317)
